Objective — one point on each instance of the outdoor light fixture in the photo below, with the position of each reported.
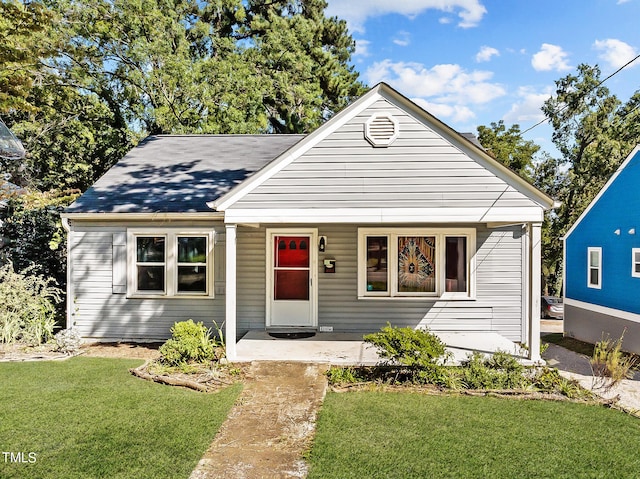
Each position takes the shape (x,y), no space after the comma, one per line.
(10,146)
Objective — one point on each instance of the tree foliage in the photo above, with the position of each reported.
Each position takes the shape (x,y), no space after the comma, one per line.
(84,80)
(35,238)
(24,30)
(225,66)
(593,131)
(508,147)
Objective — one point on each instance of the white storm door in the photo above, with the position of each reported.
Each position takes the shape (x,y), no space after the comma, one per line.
(291,284)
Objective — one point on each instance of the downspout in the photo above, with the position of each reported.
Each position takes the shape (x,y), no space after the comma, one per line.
(535,273)
(66,224)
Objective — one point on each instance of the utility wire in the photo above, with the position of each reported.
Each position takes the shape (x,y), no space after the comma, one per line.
(565,106)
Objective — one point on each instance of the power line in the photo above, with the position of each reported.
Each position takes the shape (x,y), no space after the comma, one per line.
(598,85)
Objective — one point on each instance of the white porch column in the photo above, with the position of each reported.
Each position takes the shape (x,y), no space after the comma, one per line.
(230,305)
(535,273)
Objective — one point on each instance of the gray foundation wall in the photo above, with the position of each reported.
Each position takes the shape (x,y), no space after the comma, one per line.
(590,327)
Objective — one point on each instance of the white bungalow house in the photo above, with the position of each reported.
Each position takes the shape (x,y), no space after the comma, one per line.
(383,214)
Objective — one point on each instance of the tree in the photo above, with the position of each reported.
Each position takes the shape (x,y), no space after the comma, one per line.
(24,40)
(594,132)
(508,147)
(225,66)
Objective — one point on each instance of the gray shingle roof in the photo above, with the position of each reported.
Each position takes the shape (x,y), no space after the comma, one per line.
(180,173)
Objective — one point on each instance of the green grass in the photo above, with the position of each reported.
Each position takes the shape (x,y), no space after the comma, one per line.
(569,343)
(411,435)
(90,418)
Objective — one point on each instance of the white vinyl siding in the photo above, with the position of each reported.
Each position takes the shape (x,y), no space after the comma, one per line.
(594,267)
(419,170)
(497,305)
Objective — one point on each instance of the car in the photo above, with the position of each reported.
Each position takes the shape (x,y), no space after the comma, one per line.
(551,307)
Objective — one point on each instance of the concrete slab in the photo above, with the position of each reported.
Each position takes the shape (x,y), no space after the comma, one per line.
(348,349)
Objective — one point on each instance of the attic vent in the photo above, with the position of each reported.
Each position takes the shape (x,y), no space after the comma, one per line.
(381,130)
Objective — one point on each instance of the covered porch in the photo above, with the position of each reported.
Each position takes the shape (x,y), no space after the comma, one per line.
(349,349)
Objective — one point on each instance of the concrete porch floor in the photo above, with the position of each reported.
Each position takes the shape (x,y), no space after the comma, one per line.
(348,349)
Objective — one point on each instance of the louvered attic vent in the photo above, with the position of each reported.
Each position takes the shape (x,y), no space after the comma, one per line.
(381,130)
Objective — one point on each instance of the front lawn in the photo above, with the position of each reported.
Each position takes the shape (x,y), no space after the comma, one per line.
(412,435)
(90,418)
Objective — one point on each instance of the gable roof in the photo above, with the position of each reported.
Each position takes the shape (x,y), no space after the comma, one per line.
(180,173)
(635,152)
(464,142)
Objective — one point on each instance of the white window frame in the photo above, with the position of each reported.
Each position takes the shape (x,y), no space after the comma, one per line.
(170,261)
(594,249)
(440,235)
(634,251)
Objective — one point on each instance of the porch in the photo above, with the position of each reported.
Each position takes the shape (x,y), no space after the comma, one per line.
(348,349)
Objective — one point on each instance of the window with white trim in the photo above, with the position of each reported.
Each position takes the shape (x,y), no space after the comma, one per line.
(594,267)
(404,262)
(635,262)
(170,264)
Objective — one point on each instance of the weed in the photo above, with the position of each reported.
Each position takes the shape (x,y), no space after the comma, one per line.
(609,364)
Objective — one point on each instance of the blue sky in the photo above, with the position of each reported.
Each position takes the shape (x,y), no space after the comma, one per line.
(473,62)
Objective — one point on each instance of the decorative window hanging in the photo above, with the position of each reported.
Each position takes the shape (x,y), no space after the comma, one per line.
(416,264)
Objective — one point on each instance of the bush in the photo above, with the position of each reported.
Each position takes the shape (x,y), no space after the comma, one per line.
(67,341)
(35,236)
(27,306)
(190,342)
(609,364)
(498,371)
(413,348)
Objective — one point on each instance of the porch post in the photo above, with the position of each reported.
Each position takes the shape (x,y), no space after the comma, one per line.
(535,287)
(230,301)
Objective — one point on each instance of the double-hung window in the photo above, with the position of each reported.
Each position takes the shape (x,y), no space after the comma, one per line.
(594,267)
(170,264)
(635,262)
(407,262)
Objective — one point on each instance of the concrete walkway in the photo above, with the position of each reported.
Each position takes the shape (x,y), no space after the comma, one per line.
(273,421)
(271,425)
(576,366)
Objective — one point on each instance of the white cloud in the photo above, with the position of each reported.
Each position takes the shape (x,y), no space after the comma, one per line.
(448,82)
(550,57)
(362,48)
(485,54)
(527,109)
(356,12)
(402,38)
(615,52)
(445,90)
(455,113)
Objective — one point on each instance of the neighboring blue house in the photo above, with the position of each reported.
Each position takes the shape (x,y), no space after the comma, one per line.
(602,262)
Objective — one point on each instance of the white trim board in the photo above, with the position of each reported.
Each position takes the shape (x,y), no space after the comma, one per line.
(385,215)
(617,313)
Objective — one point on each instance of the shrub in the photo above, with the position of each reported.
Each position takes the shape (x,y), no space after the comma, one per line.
(36,239)
(190,342)
(497,371)
(413,348)
(27,306)
(67,341)
(609,364)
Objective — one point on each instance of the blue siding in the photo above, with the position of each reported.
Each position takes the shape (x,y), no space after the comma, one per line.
(618,208)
